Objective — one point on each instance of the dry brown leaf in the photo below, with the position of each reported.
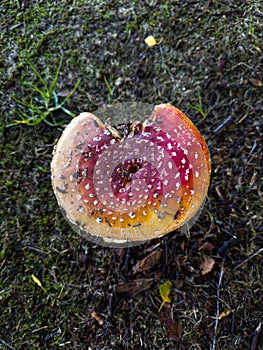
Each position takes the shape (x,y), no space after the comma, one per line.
(134,287)
(97,318)
(173,326)
(255,82)
(148,262)
(207,247)
(207,264)
(178,283)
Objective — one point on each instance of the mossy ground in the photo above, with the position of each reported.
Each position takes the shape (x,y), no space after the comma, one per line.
(209,49)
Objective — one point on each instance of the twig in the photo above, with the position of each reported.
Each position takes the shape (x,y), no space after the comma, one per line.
(57,332)
(110,308)
(254,342)
(227,121)
(124,265)
(252,150)
(250,257)
(218,304)
(6,344)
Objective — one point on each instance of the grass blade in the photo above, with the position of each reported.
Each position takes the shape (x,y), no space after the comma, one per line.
(71,92)
(55,80)
(38,75)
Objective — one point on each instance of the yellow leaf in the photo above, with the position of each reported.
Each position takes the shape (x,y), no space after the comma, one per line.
(150,41)
(165,290)
(223,314)
(36,280)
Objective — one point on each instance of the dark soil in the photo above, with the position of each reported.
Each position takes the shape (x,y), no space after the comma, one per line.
(210,56)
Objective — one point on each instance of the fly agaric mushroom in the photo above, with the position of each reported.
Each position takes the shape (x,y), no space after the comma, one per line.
(123,185)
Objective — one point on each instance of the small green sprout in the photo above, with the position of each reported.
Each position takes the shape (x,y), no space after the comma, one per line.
(199,108)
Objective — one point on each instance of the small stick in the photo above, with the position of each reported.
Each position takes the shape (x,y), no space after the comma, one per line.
(254,342)
(52,335)
(250,257)
(165,255)
(6,344)
(218,303)
(227,121)
(110,307)
(125,264)
(252,149)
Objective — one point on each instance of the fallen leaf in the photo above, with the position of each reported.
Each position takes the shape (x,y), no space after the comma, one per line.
(135,287)
(150,41)
(255,82)
(207,247)
(207,264)
(173,326)
(178,284)
(223,314)
(97,318)
(148,262)
(36,280)
(165,290)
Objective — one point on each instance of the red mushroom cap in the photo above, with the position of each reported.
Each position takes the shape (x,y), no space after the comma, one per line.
(123,185)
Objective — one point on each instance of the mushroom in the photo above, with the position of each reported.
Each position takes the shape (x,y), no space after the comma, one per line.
(126,184)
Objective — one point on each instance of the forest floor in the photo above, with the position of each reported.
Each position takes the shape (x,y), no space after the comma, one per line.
(59,290)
